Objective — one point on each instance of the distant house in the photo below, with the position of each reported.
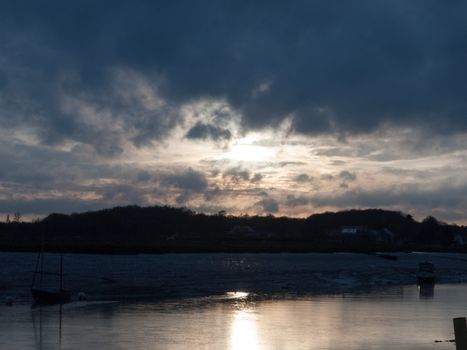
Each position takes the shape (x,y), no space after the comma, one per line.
(353,230)
(459,239)
(362,234)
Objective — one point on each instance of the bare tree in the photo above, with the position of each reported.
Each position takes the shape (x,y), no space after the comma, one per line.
(16,217)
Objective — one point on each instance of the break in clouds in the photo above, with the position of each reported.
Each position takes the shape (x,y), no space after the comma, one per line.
(249,107)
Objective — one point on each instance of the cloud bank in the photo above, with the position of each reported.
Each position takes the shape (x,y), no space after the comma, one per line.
(329,66)
(114,102)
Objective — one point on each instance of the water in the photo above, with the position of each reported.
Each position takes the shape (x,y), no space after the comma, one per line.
(396,318)
(223,307)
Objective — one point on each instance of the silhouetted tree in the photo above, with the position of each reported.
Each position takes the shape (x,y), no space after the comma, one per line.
(16,217)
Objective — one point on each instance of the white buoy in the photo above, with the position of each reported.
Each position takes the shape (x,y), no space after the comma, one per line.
(9,301)
(82,296)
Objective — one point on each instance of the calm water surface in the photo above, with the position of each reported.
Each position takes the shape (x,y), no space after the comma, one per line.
(392,318)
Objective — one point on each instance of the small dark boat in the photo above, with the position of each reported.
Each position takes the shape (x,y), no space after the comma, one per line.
(388,256)
(43,296)
(48,295)
(426,273)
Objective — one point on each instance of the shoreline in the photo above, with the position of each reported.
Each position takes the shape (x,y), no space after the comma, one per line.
(162,276)
(226,248)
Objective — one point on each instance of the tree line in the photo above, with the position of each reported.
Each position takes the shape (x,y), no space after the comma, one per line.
(161,229)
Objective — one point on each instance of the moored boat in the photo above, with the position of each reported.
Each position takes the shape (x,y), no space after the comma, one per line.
(48,295)
(426,272)
(43,296)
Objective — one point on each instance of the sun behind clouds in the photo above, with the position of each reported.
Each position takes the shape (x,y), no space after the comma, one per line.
(247,149)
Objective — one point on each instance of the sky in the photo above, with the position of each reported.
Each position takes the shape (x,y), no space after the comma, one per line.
(251,107)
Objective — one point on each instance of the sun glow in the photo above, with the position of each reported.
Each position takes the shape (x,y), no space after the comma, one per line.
(248,149)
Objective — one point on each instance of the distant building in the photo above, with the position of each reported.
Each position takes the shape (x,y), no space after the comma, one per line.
(353,230)
(362,234)
(459,239)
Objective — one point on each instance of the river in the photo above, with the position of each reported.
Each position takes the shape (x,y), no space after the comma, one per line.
(236,301)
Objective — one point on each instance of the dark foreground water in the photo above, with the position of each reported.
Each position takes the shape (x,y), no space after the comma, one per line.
(225,301)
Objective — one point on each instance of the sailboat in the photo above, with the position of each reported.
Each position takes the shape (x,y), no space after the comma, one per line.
(48,295)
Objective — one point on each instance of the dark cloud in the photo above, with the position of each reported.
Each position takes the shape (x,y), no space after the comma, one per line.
(33,168)
(347,176)
(256,178)
(47,206)
(296,201)
(212,193)
(189,180)
(338,162)
(408,197)
(123,194)
(237,174)
(285,164)
(327,177)
(3,80)
(268,205)
(329,65)
(144,176)
(303,178)
(207,131)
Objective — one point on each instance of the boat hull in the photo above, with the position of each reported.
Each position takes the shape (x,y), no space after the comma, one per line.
(426,280)
(426,273)
(41,296)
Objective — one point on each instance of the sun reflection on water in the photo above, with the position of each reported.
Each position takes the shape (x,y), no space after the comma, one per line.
(237,295)
(243,333)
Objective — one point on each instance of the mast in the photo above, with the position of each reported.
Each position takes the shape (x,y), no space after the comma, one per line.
(61,272)
(36,270)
